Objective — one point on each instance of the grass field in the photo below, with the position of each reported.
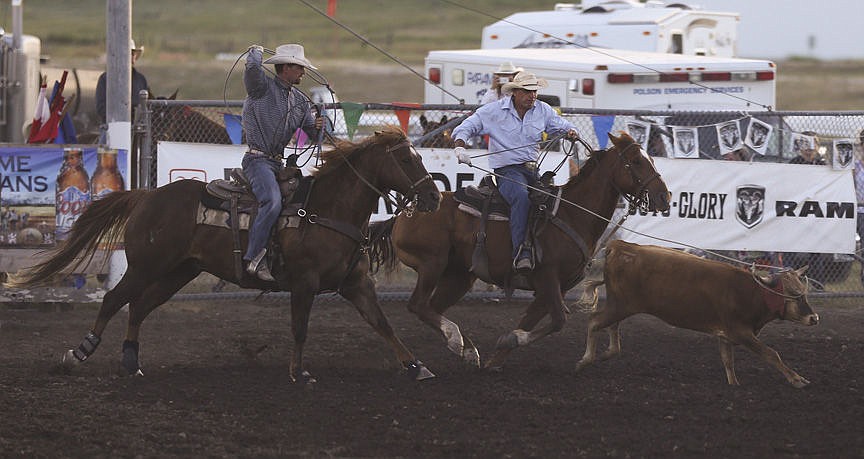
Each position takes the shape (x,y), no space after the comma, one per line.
(182,40)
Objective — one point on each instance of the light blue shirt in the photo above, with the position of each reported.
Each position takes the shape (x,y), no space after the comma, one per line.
(512,140)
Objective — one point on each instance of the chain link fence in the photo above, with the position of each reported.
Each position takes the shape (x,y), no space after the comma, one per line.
(429,125)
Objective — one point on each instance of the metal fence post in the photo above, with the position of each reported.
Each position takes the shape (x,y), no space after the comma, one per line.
(144,134)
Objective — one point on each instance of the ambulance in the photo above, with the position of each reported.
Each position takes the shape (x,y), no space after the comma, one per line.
(654,26)
(596,78)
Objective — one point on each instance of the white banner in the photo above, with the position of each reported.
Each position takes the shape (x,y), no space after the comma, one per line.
(716,205)
(730,205)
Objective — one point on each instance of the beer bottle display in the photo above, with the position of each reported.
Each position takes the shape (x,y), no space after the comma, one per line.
(73,191)
(106,177)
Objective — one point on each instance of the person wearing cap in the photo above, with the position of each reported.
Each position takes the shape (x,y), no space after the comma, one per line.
(139,83)
(503,75)
(808,150)
(272,112)
(515,125)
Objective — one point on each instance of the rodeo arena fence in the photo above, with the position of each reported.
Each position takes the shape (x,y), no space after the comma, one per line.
(734,197)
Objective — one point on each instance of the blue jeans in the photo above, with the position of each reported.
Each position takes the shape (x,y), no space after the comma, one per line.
(261,172)
(512,185)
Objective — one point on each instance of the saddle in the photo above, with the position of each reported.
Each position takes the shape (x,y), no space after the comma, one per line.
(486,202)
(236,206)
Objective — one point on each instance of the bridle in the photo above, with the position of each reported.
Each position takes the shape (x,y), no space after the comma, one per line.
(640,200)
(411,199)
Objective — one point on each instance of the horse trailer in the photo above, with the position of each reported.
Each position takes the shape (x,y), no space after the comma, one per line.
(621,24)
(609,78)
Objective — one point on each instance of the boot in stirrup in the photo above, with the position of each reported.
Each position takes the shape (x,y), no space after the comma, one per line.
(258,267)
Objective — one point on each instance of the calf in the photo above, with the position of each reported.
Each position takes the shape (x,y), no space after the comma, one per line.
(686,291)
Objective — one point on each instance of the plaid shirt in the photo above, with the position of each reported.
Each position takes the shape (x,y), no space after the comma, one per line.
(272,111)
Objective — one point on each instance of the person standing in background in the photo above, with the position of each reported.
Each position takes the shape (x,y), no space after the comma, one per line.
(502,76)
(139,83)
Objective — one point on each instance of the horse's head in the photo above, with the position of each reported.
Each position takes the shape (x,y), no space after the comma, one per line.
(403,170)
(442,139)
(635,176)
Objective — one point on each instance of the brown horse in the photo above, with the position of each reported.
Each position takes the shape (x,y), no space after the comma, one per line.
(436,134)
(439,246)
(166,247)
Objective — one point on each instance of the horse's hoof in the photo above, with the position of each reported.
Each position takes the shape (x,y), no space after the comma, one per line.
(471,357)
(508,341)
(418,372)
(68,361)
(305,378)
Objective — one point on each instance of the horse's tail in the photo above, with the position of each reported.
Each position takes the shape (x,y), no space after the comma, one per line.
(588,301)
(102,222)
(381,253)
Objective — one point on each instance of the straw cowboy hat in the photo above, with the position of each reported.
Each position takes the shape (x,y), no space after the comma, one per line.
(507,68)
(290,54)
(526,81)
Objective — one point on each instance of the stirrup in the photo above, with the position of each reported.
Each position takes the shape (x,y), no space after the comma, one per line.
(258,267)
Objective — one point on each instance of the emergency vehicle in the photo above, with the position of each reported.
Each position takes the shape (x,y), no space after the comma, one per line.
(622,24)
(608,78)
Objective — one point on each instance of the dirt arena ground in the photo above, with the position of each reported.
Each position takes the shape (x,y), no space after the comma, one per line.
(216,385)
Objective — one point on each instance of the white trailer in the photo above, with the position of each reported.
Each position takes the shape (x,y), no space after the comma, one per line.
(609,78)
(623,24)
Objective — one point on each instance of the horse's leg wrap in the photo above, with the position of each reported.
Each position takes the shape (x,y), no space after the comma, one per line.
(130,357)
(87,347)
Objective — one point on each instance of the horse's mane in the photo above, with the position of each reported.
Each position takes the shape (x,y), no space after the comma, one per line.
(588,167)
(345,149)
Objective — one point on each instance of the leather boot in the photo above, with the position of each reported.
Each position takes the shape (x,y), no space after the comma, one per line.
(258,267)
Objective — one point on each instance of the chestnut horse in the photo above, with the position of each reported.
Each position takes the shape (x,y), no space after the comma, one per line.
(166,247)
(440,245)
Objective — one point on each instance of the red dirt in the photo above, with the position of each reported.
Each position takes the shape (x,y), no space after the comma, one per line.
(208,391)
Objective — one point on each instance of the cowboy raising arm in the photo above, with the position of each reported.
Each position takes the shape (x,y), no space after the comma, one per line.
(273,110)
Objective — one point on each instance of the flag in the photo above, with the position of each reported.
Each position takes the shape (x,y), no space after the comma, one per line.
(47,131)
(602,126)
(234,127)
(404,115)
(302,137)
(352,112)
(41,115)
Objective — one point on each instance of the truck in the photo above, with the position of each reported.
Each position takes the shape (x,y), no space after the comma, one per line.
(608,78)
(621,24)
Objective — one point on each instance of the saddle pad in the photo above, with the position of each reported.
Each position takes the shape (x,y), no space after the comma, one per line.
(493,216)
(220,218)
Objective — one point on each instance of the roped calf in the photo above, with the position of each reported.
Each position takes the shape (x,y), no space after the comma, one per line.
(686,291)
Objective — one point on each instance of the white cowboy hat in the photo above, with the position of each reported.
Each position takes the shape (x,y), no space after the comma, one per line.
(134,49)
(526,81)
(290,54)
(507,68)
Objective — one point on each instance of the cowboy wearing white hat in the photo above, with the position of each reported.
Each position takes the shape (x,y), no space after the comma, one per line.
(505,73)
(515,126)
(273,111)
(290,54)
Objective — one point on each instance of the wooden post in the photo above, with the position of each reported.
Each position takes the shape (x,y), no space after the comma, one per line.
(118,101)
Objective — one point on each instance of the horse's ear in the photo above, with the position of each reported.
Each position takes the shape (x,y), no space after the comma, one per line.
(423,121)
(174,96)
(613,138)
(443,119)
